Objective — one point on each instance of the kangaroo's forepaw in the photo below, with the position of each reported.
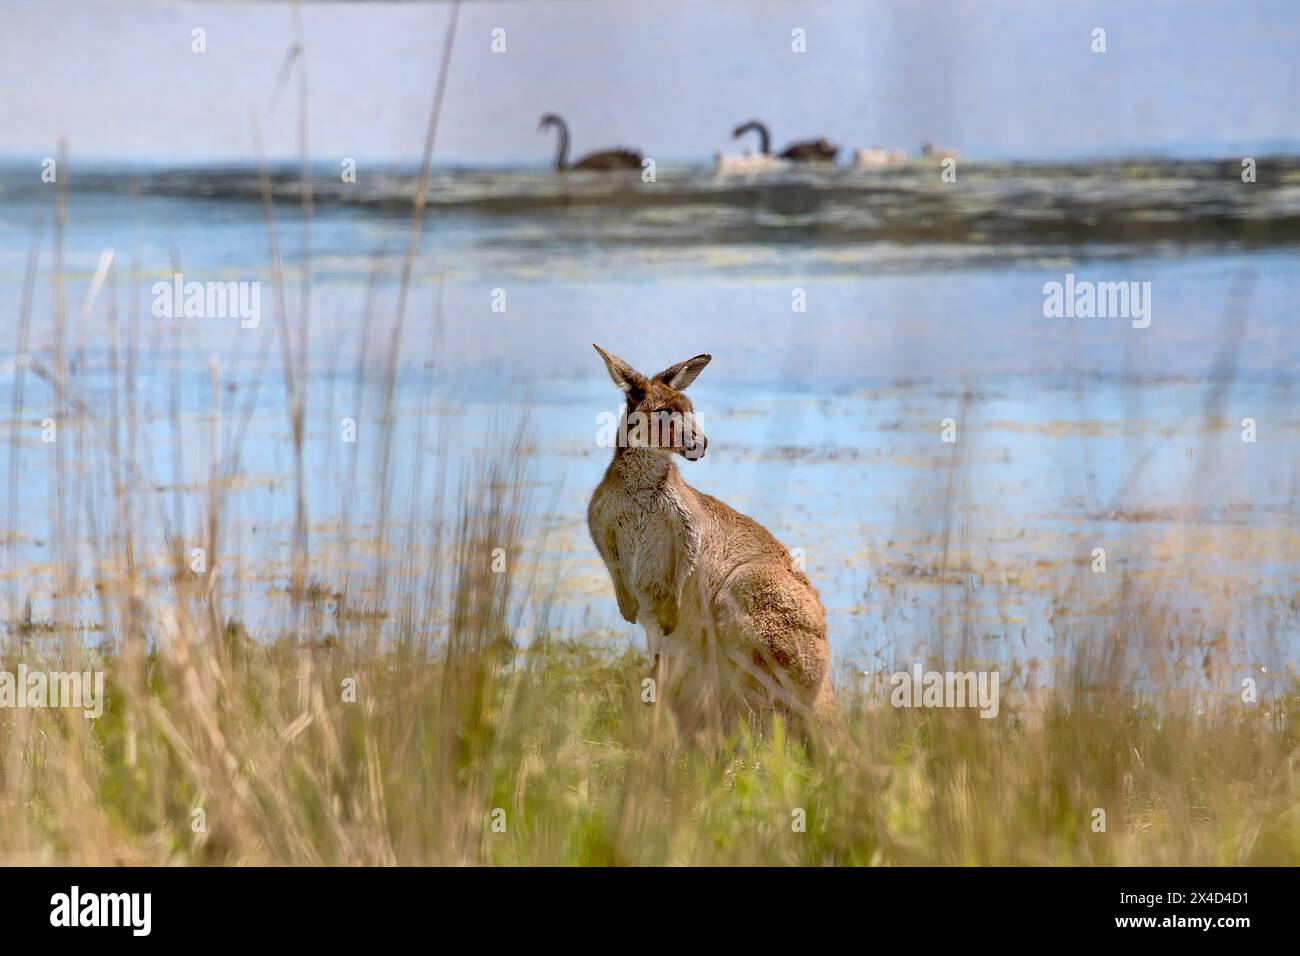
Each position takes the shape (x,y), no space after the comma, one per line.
(629,610)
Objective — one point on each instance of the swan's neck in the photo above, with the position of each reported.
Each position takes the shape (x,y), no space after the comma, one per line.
(562,149)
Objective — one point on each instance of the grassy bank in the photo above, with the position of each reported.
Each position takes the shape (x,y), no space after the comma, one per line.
(548,757)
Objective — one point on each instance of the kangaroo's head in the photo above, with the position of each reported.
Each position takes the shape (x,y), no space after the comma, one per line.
(659,416)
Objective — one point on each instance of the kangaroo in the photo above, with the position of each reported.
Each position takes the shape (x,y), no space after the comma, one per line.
(735,628)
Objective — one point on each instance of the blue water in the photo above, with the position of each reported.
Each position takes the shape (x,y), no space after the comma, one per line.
(849,315)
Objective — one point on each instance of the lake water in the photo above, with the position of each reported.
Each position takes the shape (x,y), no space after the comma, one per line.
(849,315)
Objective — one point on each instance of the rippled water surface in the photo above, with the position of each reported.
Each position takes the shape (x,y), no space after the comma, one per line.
(849,314)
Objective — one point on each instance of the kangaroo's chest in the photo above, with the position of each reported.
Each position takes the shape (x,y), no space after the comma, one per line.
(645,535)
(650,532)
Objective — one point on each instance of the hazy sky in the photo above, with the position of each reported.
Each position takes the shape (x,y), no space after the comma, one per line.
(670,77)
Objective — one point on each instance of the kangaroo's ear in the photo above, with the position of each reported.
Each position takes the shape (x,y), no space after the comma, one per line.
(683,373)
(625,376)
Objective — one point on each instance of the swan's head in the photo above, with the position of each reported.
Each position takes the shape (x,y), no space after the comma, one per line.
(549,119)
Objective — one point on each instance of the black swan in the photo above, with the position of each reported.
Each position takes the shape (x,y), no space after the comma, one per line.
(606,159)
(804,151)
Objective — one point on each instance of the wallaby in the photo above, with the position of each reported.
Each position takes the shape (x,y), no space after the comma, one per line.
(735,627)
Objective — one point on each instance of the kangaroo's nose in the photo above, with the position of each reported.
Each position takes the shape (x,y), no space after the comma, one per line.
(697,448)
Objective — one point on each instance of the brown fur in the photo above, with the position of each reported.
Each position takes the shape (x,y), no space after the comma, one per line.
(737,628)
